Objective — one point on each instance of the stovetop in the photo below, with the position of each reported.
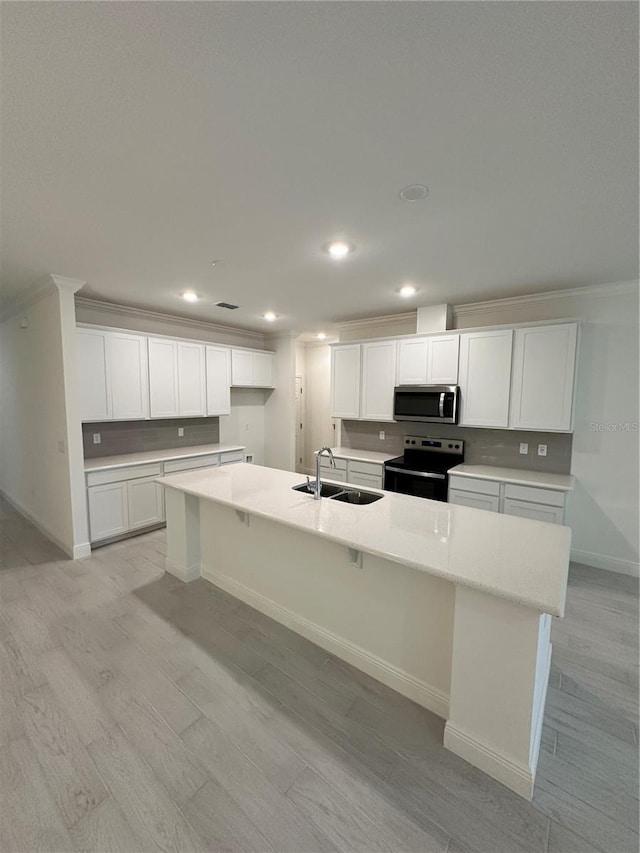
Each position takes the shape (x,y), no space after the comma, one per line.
(425,453)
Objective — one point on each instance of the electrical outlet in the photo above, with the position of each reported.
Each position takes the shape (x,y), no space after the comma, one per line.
(524,447)
(381,434)
(97,438)
(180,432)
(249,458)
(542,450)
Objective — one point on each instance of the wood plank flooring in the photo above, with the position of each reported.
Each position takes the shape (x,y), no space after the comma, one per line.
(139,713)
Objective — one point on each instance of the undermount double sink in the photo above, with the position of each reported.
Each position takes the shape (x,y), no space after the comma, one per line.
(338,493)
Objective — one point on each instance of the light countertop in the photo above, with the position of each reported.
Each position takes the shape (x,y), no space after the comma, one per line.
(363,455)
(103,463)
(560,482)
(514,558)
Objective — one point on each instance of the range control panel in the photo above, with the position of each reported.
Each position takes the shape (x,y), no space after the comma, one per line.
(436,445)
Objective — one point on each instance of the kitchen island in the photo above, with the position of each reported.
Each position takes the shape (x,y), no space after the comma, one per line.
(451,606)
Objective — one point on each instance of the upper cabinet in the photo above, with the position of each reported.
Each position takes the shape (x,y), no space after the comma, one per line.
(543,377)
(430,360)
(485,377)
(192,383)
(163,378)
(378,380)
(218,360)
(251,369)
(112,375)
(345,381)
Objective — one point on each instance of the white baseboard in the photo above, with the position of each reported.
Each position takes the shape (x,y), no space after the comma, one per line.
(83,550)
(419,691)
(42,527)
(519,777)
(609,564)
(183,573)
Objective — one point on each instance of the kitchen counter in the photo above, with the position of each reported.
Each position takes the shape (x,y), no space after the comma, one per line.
(362,455)
(560,482)
(104,463)
(517,559)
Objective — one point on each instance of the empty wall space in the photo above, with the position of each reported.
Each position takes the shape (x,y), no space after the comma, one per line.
(245,424)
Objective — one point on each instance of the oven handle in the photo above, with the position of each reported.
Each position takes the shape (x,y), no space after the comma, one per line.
(441,407)
(426,474)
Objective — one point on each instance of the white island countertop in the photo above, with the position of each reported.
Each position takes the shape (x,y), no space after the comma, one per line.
(103,463)
(541,479)
(361,455)
(517,559)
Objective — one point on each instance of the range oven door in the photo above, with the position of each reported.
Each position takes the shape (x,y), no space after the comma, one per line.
(420,484)
(426,403)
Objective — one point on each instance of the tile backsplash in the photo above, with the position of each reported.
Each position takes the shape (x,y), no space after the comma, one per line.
(482,446)
(118,437)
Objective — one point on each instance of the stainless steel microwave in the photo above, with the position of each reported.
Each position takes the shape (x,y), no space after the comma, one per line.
(426,403)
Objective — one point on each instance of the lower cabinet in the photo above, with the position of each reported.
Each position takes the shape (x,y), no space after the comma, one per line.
(365,474)
(533,502)
(146,503)
(108,511)
(539,512)
(491,503)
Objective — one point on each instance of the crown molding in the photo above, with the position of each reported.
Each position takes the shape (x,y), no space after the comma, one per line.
(51,283)
(374,321)
(592,291)
(175,319)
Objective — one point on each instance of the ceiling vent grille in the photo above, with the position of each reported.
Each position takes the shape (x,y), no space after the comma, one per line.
(228,305)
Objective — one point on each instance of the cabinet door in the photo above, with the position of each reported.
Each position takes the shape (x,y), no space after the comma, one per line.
(191,380)
(442,360)
(129,375)
(262,369)
(146,502)
(378,380)
(218,360)
(108,511)
(93,379)
(412,362)
(345,381)
(543,370)
(538,512)
(163,378)
(485,378)
(241,368)
(475,500)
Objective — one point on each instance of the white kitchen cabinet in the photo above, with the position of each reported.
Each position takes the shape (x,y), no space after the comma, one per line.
(485,377)
(412,361)
(442,360)
(475,500)
(366,474)
(543,377)
(345,381)
(218,363)
(128,369)
(108,510)
(145,502)
(536,511)
(163,378)
(378,380)
(251,369)
(192,387)
(91,369)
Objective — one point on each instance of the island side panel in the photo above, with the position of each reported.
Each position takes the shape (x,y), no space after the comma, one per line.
(183,534)
(500,671)
(393,622)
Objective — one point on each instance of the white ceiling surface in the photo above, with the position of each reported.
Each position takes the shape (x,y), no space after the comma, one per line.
(140,141)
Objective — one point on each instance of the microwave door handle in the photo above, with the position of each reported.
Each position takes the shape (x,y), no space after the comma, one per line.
(441,407)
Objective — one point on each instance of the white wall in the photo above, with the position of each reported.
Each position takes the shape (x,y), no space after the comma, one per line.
(245,424)
(41,442)
(603,510)
(280,406)
(319,423)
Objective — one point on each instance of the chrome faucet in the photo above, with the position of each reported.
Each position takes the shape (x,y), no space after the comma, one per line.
(317,492)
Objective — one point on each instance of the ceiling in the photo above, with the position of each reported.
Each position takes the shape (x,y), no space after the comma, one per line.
(141,141)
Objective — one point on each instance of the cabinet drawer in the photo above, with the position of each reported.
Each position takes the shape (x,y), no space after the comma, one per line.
(490,503)
(334,474)
(538,512)
(118,475)
(230,456)
(341,464)
(551,497)
(370,468)
(194,462)
(368,481)
(470,484)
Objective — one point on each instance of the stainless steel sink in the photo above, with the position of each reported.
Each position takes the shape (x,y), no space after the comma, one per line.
(355,496)
(327,490)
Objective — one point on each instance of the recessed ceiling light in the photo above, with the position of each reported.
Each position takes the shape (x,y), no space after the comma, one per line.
(321,336)
(339,249)
(414,192)
(216,262)
(407,290)
(270,316)
(190,296)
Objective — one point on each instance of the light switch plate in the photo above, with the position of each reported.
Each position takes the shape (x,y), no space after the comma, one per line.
(381,434)
(542,450)
(524,447)
(180,432)
(97,438)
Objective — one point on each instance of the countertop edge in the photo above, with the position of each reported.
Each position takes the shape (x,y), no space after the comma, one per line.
(515,479)
(162,456)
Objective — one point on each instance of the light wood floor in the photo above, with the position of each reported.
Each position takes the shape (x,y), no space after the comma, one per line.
(139,713)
